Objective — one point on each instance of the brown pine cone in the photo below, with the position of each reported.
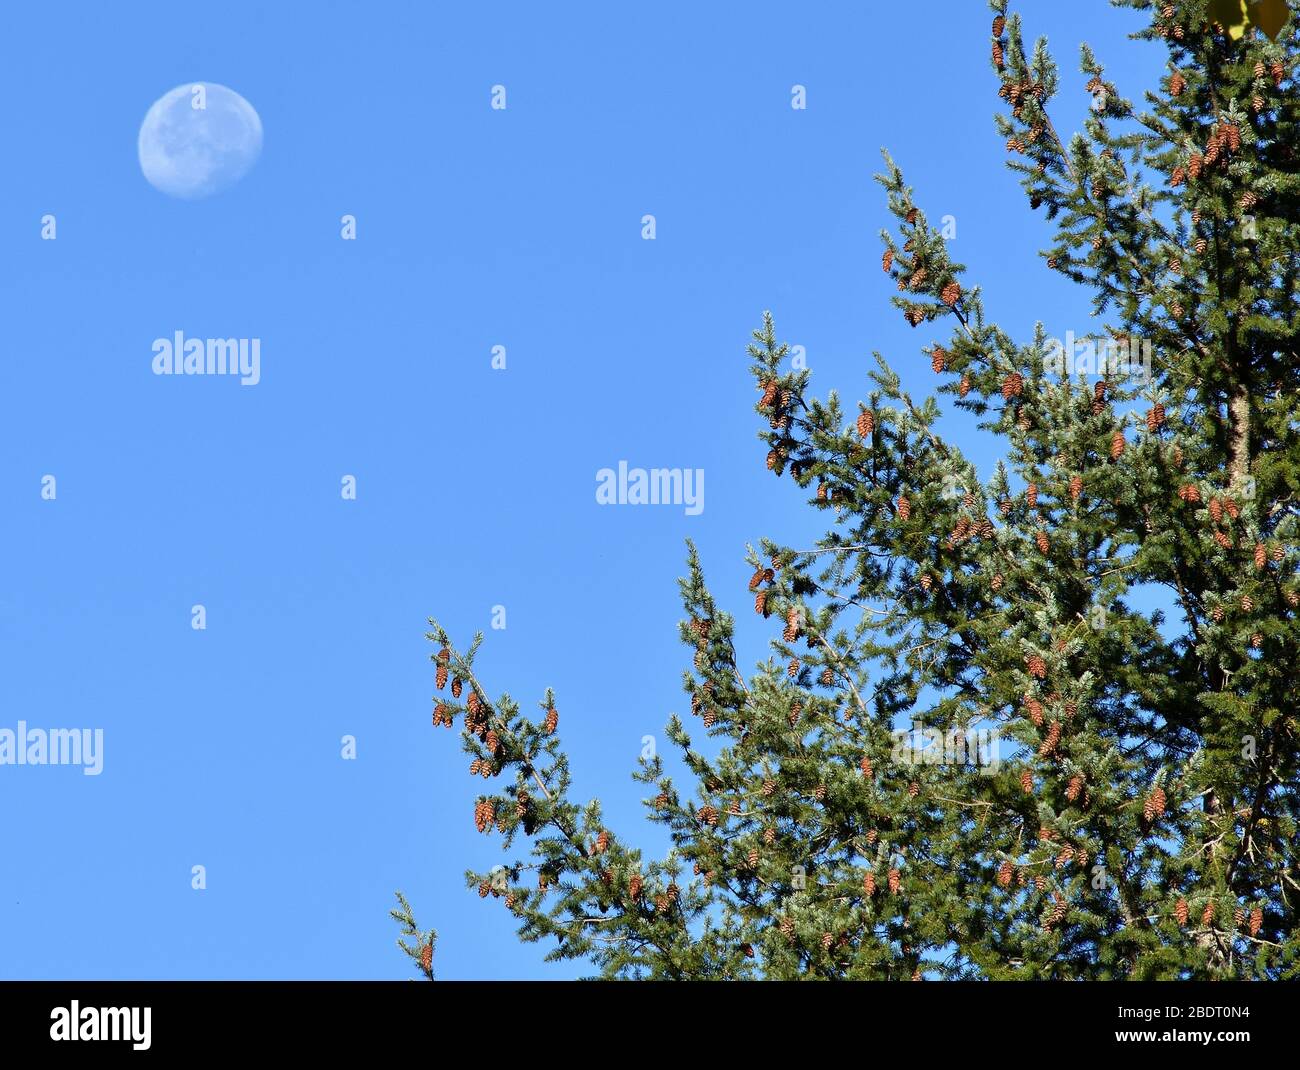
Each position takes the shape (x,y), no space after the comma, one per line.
(950,294)
(869,884)
(1116,445)
(895,881)
(887,260)
(904,508)
(1074,788)
(1261,555)
(552,721)
(1053,738)
(1005,872)
(1013,386)
(1154,806)
(457,685)
(938,359)
(1076,487)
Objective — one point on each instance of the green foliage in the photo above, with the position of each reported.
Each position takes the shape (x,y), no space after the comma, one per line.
(422,944)
(1142,819)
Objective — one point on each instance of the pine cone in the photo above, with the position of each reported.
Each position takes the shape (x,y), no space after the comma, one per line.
(865,765)
(1035,709)
(1190,492)
(866,423)
(1261,555)
(1076,487)
(1013,386)
(1207,915)
(1256,920)
(950,294)
(791,625)
(1031,495)
(895,881)
(1027,782)
(1116,445)
(938,359)
(457,685)
(887,260)
(1043,544)
(602,842)
(904,508)
(999,24)
(1154,806)
(552,721)
(1053,738)
(963,388)
(869,884)
(1155,417)
(760,603)
(1005,872)
(1074,788)
(1177,83)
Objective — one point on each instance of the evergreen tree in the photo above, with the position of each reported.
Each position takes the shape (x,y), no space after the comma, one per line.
(1141,818)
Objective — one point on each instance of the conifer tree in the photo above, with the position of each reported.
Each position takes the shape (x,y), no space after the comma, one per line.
(1141,819)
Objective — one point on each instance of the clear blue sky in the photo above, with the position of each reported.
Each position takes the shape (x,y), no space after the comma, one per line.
(475,487)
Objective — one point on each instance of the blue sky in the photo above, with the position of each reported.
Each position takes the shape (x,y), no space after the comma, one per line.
(476,228)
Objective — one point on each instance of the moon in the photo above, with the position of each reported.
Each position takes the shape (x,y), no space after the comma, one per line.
(198,139)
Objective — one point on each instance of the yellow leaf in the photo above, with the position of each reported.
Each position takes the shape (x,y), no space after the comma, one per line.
(1232,14)
(1269,15)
